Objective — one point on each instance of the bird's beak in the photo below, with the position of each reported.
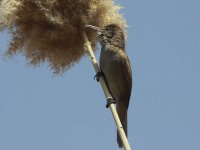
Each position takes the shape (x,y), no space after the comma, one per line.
(92,27)
(95,28)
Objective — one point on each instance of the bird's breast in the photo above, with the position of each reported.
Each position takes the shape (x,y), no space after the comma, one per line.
(113,64)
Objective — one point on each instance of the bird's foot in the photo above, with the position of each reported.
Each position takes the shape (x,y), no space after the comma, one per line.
(98,75)
(110,101)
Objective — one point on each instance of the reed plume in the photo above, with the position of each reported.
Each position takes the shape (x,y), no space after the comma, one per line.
(50,30)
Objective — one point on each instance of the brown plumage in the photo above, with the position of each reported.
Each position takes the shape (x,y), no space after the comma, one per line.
(116,68)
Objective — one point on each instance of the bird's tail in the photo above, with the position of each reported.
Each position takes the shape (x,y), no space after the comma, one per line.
(122,112)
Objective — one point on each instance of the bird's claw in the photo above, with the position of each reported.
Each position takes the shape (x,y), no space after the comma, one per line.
(110,101)
(98,75)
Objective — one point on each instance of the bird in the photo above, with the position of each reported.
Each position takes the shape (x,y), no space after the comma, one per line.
(116,69)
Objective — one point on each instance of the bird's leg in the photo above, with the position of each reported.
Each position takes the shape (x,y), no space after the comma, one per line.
(98,75)
(110,101)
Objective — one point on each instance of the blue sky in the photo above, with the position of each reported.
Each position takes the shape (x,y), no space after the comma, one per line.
(39,111)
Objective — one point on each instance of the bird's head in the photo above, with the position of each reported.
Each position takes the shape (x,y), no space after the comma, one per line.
(110,34)
(111,30)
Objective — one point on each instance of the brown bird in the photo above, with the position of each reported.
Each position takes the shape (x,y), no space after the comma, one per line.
(116,69)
